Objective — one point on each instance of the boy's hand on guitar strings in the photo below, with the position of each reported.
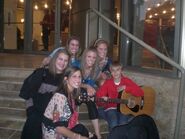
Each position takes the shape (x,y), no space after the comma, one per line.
(105,98)
(121,89)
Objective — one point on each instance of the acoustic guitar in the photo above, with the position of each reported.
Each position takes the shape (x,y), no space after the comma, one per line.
(130,104)
(142,105)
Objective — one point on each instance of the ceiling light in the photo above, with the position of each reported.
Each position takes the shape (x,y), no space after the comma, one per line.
(148,9)
(67,2)
(36,7)
(46,5)
(164,12)
(118,16)
(173,9)
(22,20)
(158,4)
(173,17)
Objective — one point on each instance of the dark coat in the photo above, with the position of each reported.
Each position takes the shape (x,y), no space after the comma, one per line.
(141,127)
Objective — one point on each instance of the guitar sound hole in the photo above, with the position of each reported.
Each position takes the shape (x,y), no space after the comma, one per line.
(135,109)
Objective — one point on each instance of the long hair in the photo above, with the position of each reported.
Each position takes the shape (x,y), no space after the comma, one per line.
(68,42)
(100,41)
(63,85)
(52,67)
(93,73)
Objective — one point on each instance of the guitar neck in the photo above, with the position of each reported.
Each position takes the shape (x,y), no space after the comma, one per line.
(112,100)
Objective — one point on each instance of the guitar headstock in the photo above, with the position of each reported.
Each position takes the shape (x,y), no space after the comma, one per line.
(83,97)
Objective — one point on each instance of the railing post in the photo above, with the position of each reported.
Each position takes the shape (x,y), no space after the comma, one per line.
(57,24)
(180,106)
(87,28)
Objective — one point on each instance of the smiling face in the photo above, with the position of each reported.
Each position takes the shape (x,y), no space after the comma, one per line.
(90,58)
(102,50)
(116,72)
(61,62)
(74,47)
(74,80)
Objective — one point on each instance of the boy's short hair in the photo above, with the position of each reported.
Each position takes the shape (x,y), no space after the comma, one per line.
(115,64)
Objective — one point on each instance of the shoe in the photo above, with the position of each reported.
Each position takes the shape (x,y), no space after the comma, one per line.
(92,136)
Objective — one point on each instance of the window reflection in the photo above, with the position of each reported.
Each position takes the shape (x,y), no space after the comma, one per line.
(43,25)
(154,23)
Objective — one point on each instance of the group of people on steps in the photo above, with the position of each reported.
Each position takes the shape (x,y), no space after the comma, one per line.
(52,92)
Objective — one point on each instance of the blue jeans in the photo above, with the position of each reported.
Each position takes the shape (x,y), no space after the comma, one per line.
(113,117)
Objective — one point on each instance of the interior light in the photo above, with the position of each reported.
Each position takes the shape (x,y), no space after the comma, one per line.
(173,17)
(46,5)
(158,4)
(164,12)
(148,9)
(118,16)
(21,1)
(67,2)
(150,16)
(22,20)
(36,7)
(156,14)
(173,9)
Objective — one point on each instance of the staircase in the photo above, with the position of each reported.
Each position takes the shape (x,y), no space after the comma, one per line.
(12,107)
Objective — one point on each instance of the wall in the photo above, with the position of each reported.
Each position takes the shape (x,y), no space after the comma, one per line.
(167,91)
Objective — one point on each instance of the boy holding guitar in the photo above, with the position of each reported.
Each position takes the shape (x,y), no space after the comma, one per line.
(110,91)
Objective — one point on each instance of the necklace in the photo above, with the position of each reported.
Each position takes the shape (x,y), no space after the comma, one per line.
(117,82)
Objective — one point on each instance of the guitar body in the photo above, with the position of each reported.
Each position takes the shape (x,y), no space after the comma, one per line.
(143,105)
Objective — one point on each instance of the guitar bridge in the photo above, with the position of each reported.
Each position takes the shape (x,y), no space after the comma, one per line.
(142,103)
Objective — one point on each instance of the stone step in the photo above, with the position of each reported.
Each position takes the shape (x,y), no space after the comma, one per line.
(102,124)
(9,94)
(12,102)
(14,134)
(11,124)
(15,72)
(16,125)
(19,113)
(10,84)
(9,134)
(12,113)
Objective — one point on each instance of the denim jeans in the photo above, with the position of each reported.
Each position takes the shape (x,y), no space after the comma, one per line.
(115,118)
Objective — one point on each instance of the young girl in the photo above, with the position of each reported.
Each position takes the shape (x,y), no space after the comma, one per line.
(89,75)
(89,65)
(72,47)
(37,92)
(103,61)
(61,116)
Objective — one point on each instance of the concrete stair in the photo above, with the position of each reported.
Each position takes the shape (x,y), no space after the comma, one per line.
(12,107)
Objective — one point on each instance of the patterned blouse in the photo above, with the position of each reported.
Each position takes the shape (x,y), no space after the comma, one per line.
(66,114)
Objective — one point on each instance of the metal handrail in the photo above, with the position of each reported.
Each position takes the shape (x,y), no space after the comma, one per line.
(157,53)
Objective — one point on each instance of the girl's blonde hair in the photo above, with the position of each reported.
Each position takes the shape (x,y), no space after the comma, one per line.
(93,73)
(100,41)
